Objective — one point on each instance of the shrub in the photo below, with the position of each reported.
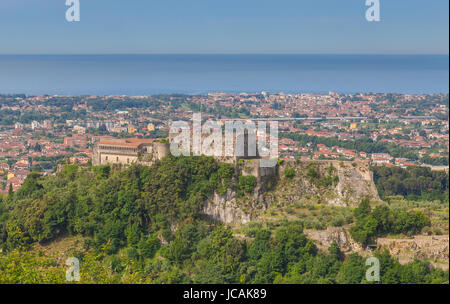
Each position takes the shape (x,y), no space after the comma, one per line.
(247,183)
(312,173)
(290,210)
(132,253)
(426,230)
(116,264)
(437,231)
(338,221)
(289,173)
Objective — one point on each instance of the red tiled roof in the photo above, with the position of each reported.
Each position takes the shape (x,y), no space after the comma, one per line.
(129,142)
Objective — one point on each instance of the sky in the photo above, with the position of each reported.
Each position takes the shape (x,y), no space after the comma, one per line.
(231,26)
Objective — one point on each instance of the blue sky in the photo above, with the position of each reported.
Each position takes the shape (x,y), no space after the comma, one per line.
(232,26)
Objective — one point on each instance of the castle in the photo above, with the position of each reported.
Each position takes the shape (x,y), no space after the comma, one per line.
(147,151)
(129,150)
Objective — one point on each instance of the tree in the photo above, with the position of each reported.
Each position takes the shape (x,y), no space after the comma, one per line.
(10,191)
(352,271)
(148,247)
(259,245)
(209,273)
(335,251)
(363,209)
(365,230)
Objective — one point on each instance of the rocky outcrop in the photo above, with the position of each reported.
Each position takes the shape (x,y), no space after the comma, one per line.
(225,208)
(348,182)
(324,238)
(424,247)
(430,247)
(353,182)
(231,209)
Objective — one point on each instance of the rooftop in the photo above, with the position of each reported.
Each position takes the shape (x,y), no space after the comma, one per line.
(128,142)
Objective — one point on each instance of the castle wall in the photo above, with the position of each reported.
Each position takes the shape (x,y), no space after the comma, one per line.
(148,153)
(160,150)
(252,167)
(96,161)
(119,155)
(109,158)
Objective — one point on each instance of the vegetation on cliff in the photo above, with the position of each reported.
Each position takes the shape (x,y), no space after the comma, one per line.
(382,221)
(144,225)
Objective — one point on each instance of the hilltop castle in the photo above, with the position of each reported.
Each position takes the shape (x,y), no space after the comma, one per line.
(148,151)
(129,150)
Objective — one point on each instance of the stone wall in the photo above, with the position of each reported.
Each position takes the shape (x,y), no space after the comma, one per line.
(146,154)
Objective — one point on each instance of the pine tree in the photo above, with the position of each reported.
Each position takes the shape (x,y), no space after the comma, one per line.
(10,192)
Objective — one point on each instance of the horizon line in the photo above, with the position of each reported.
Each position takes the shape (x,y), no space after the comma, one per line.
(223,92)
(220,53)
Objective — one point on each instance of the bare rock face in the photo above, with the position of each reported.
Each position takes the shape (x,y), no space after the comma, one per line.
(431,247)
(224,208)
(324,239)
(348,182)
(423,247)
(230,209)
(353,181)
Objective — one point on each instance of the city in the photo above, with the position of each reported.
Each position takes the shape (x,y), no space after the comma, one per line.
(224,151)
(384,129)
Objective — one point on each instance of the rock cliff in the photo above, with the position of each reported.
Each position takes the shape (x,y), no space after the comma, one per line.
(336,183)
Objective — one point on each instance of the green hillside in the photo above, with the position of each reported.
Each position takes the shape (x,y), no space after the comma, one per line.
(145,224)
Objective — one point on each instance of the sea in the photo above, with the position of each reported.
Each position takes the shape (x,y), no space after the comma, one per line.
(148,74)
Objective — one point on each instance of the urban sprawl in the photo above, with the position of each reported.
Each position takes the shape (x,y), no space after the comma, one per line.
(39,132)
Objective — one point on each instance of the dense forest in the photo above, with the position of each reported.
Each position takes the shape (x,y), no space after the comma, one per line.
(364,144)
(414,183)
(144,224)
